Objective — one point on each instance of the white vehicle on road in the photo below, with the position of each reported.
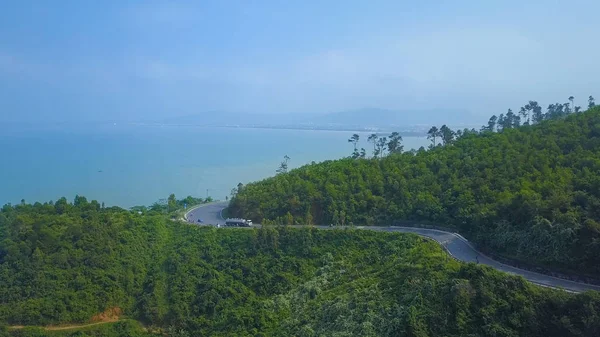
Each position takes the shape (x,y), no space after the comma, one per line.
(235,222)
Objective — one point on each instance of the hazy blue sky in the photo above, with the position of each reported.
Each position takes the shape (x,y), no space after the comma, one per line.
(99,60)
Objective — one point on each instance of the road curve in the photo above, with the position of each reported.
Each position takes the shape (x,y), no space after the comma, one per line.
(456,245)
(208,213)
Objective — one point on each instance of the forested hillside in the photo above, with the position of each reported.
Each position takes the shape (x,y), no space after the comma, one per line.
(64,263)
(530,193)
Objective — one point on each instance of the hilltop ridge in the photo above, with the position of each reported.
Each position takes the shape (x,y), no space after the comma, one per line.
(528,193)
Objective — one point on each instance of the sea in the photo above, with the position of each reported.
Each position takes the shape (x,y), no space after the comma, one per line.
(129,165)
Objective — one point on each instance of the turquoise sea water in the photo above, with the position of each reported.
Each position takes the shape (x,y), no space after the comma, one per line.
(137,165)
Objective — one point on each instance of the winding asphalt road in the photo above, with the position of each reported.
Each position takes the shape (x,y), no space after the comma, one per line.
(456,245)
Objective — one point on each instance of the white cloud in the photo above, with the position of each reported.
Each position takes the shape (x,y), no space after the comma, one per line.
(454,67)
(466,65)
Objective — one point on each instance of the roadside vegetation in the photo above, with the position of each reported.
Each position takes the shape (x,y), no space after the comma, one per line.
(65,263)
(172,207)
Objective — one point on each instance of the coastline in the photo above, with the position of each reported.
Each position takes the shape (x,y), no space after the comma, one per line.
(404,133)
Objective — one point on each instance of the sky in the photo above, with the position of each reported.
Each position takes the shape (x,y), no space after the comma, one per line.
(144,60)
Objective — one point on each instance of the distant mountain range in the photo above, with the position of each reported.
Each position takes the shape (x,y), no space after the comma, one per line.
(220,118)
(360,120)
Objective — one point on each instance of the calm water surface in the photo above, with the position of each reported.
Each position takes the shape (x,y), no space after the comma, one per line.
(137,165)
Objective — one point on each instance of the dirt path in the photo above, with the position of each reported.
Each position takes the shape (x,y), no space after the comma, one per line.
(64,327)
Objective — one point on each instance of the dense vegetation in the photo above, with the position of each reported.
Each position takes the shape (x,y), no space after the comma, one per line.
(63,262)
(527,192)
